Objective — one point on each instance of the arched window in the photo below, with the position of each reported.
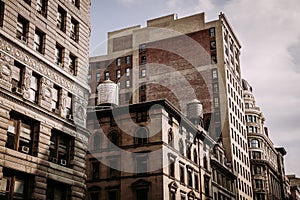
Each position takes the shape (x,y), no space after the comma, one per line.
(114,139)
(141,136)
(170,138)
(97,141)
(254,143)
(181,147)
(195,156)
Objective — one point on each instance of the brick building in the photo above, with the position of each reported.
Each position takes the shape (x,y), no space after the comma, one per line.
(147,151)
(43,98)
(182,59)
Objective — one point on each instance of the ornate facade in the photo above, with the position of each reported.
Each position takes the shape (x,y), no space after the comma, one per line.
(147,151)
(43,98)
(181,59)
(267,163)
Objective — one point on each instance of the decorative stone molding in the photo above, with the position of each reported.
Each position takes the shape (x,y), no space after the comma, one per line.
(27,73)
(63,108)
(80,107)
(46,93)
(10,52)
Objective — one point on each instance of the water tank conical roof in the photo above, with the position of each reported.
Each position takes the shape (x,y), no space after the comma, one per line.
(194,109)
(108,93)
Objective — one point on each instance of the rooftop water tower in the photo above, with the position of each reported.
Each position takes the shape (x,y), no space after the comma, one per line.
(108,94)
(195,112)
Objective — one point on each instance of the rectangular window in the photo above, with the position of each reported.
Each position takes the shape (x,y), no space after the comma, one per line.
(181,173)
(56,90)
(72,64)
(127,83)
(143,60)
(172,195)
(74,30)
(215,88)
(128,71)
(258,184)
(22,29)
(118,73)
(214,59)
(143,73)
(2,8)
(118,62)
(214,73)
(114,167)
(249,118)
(61,19)
(127,60)
(196,182)
(15,185)
(143,98)
(61,148)
(141,116)
(58,59)
(39,41)
(213,45)
(206,185)
(143,86)
(216,102)
(190,178)
(250,129)
(57,190)
(17,77)
(34,88)
(21,134)
(212,32)
(95,170)
(142,48)
(172,167)
(41,6)
(141,164)
(69,106)
(127,96)
(141,193)
(106,75)
(113,195)
(98,76)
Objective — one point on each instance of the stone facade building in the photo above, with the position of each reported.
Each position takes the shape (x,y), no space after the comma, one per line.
(181,59)
(295,187)
(147,151)
(223,179)
(43,98)
(267,162)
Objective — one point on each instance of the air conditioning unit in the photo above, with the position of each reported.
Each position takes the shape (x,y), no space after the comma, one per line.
(58,24)
(71,70)
(73,36)
(59,64)
(17,90)
(70,117)
(52,159)
(39,8)
(23,39)
(56,110)
(25,149)
(63,162)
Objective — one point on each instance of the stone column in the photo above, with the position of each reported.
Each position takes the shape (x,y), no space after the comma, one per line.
(27,73)
(4,117)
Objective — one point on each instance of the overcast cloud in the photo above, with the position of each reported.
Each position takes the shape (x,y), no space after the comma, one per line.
(269,31)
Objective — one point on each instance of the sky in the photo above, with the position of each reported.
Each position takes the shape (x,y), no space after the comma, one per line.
(269,31)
